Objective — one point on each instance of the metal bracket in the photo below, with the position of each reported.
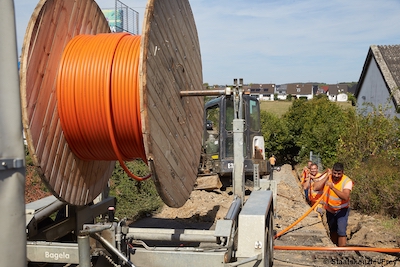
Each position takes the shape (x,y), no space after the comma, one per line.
(256,176)
(6,164)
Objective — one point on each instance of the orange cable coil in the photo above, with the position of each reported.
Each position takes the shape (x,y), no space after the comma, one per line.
(98,98)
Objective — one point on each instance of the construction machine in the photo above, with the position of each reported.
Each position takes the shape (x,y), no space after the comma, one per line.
(217,158)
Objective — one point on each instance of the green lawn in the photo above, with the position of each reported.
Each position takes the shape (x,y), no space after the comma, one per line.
(281,107)
(277,107)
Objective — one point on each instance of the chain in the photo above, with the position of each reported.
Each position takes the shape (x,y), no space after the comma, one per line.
(111,260)
(108,258)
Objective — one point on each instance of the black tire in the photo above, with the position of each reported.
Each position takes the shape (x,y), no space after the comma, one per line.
(269,244)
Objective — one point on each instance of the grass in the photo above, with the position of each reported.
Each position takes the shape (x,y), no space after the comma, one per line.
(391,225)
(277,107)
(281,107)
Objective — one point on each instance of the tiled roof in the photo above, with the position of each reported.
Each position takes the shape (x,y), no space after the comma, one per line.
(391,56)
(264,88)
(335,89)
(299,88)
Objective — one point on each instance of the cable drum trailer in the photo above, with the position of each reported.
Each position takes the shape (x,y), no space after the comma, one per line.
(169,55)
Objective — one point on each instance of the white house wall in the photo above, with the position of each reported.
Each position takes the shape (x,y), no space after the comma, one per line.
(373,90)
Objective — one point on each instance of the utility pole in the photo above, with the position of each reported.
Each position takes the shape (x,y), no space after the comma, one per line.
(12,153)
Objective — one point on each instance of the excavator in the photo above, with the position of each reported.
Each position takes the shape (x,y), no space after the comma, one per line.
(216,162)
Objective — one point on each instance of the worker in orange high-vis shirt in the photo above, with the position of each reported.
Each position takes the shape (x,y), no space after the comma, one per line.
(315,176)
(305,180)
(336,202)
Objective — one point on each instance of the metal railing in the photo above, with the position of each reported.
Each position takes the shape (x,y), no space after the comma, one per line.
(122,18)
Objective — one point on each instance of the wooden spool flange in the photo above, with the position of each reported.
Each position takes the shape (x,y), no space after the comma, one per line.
(170,61)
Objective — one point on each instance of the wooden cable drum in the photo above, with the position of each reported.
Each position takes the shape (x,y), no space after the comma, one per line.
(169,126)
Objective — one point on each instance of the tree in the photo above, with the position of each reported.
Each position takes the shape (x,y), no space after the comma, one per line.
(316,126)
(277,137)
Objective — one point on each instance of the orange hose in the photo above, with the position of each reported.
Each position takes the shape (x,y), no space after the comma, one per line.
(303,216)
(98,98)
(348,248)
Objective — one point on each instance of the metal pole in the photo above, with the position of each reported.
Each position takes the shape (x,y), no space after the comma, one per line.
(46,212)
(84,251)
(206,236)
(204,92)
(238,167)
(234,210)
(111,248)
(238,142)
(12,154)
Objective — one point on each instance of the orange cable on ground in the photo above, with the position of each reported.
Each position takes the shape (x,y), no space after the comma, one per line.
(348,248)
(98,98)
(303,216)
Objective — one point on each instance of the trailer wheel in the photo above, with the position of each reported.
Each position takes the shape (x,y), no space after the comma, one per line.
(269,253)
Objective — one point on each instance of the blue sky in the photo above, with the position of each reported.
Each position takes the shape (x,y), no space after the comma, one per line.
(278,41)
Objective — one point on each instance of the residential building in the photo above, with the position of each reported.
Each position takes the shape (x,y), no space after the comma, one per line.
(336,89)
(264,91)
(280,90)
(379,82)
(300,90)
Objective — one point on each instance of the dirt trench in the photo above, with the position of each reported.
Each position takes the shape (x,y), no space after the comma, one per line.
(206,207)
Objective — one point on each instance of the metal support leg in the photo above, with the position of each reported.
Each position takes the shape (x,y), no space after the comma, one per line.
(84,251)
(238,171)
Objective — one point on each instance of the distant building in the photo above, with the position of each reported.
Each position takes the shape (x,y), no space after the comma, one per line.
(263,91)
(335,89)
(281,90)
(300,90)
(379,82)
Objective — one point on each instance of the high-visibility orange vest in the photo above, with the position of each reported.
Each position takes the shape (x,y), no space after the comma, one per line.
(313,194)
(333,203)
(304,175)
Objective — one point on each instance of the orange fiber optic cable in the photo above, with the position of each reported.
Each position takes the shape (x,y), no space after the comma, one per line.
(348,248)
(98,98)
(303,216)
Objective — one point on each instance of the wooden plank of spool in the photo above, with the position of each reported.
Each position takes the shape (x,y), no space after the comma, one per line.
(170,61)
(52,25)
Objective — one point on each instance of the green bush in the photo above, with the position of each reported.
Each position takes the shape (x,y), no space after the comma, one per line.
(134,199)
(352,98)
(276,136)
(315,125)
(376,187)
(367,135)
(366,143)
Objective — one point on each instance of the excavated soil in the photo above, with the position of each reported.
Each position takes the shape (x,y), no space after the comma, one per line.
(34,187)
(205,207)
